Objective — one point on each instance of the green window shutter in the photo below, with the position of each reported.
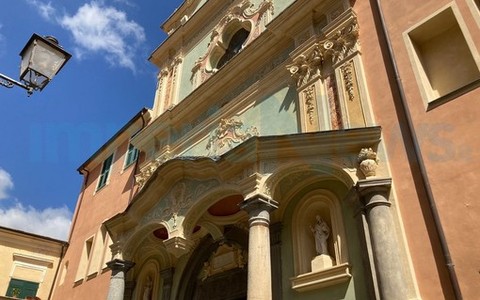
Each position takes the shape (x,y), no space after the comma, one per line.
(22,288)
(132,155)
(105,172)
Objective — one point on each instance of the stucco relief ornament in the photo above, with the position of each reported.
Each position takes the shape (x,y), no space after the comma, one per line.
(228,134)
(147,172)
(368,162)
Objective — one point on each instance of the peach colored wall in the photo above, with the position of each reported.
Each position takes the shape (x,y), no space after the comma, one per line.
(95,208)
(449,146)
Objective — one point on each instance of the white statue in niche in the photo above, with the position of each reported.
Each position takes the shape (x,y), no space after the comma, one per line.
(321,232)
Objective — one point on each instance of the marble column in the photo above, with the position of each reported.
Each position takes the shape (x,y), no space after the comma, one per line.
(259,265)
(117,280)
(384,239)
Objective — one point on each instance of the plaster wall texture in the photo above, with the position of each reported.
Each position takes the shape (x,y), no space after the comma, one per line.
(96,207)
(30,258)
(447,145)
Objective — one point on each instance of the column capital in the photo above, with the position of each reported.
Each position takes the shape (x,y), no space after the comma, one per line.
(370,190)
(259,202)
(259,208)
(120,265)
(378,185)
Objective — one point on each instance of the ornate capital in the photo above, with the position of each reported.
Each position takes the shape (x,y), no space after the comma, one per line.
(337,45)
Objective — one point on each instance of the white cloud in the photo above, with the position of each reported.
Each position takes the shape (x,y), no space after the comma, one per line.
(6,182)
(51,222)
(106,30)
(46,10)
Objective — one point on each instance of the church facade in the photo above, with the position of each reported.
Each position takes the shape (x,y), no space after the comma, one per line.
(295,150)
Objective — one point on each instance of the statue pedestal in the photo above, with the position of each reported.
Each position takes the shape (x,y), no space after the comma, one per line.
(321,262)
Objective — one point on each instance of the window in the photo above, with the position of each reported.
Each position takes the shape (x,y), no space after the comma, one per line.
(107,165)
(234,46)
(131,156)
(21,289)
(442,56)
(84,260)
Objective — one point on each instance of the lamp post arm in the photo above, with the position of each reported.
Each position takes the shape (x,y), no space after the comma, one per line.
(9,83)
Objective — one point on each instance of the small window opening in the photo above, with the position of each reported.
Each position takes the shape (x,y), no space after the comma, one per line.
(235,45)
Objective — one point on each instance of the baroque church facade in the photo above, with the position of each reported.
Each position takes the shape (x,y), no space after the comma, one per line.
(296,149)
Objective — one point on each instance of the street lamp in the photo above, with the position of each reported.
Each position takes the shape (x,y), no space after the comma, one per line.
(42,59)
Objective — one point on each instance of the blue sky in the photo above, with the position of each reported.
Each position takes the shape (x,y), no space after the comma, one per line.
(46,137)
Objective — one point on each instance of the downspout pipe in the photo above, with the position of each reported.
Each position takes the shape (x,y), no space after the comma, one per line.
(419,158)
(55,278)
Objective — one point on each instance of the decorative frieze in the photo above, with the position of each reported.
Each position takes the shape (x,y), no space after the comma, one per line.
(228,134)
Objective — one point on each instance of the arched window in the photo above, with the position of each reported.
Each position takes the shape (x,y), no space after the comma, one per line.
(234,46)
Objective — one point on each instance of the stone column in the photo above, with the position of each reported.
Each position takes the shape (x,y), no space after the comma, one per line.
(388,264)
(259,264)
(117,280)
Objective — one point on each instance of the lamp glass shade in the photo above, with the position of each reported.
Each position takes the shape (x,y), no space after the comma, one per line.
(42,58)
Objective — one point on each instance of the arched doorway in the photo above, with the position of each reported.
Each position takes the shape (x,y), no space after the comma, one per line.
(217,270)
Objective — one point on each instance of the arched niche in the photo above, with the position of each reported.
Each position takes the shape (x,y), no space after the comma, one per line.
(324,204)
(148,281)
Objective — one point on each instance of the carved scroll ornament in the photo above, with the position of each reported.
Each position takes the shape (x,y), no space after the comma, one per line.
(228,134)
(147,171)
